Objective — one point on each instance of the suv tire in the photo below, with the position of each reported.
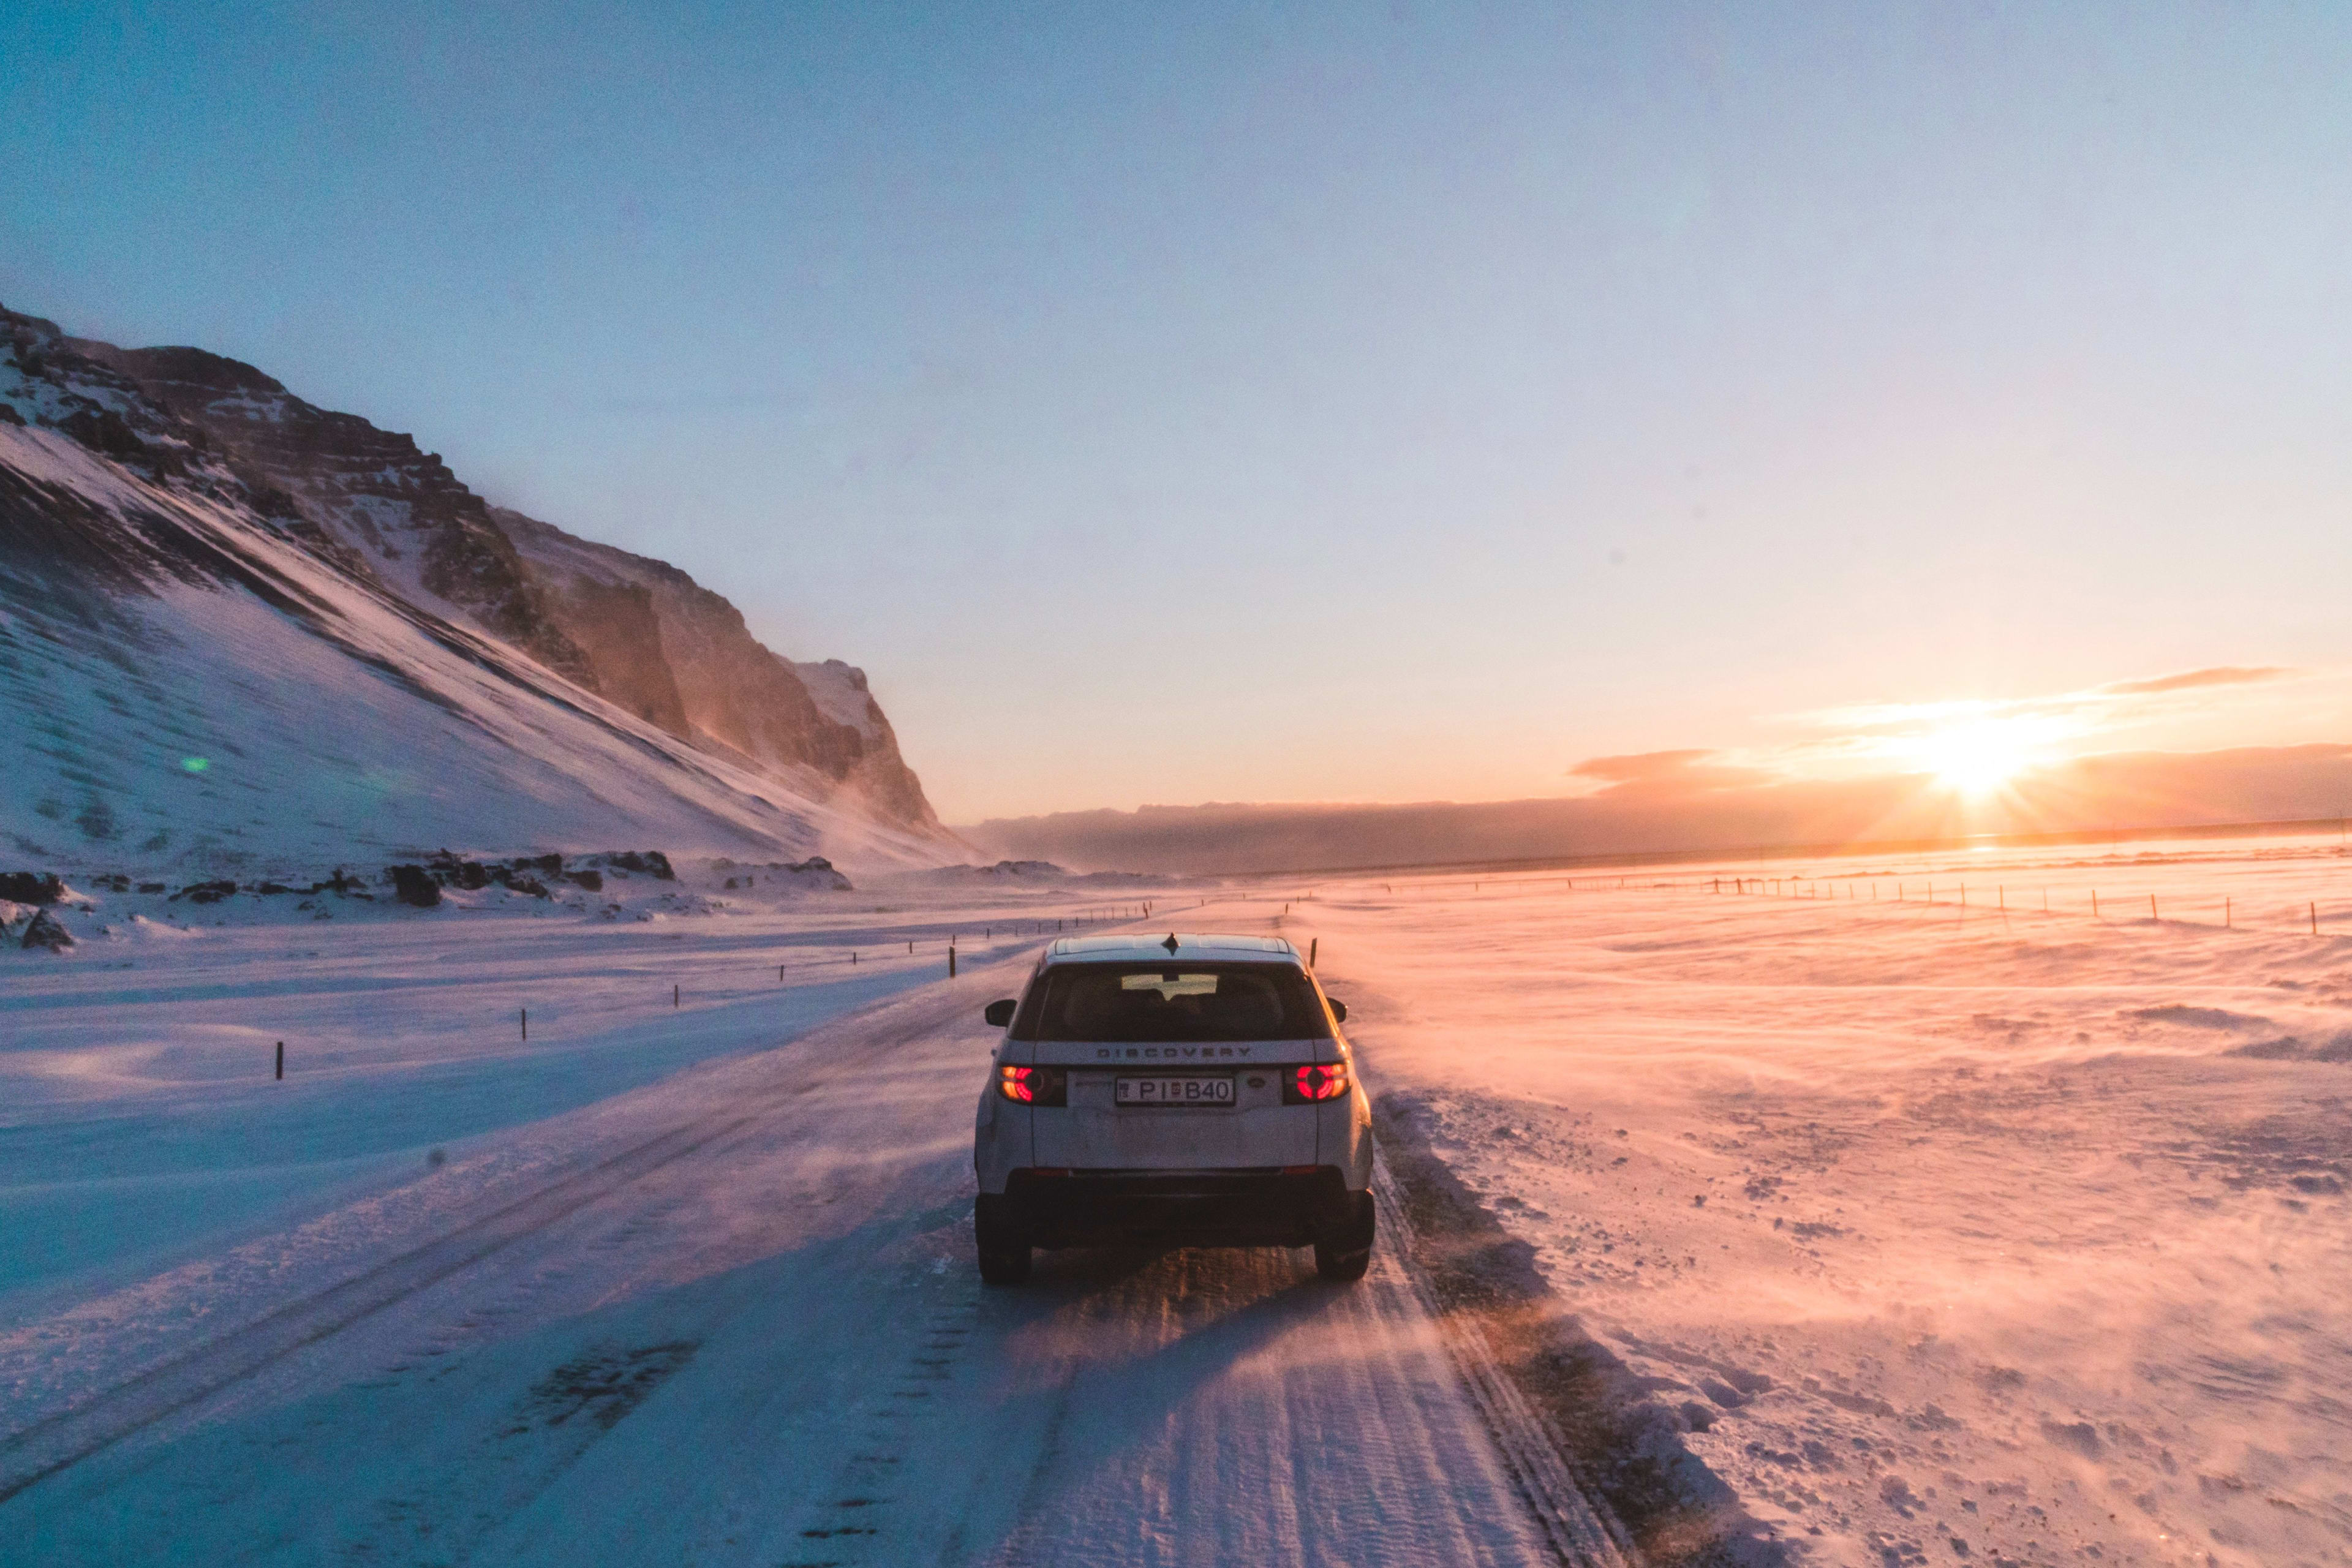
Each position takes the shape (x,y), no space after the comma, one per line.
(1345,1251)
(1003,1252)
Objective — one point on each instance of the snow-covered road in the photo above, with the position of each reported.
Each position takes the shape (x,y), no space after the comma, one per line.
(732,1317)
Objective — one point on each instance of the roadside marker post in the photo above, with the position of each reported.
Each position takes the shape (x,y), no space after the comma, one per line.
(281,1060)
(951,961)
(2315,917)
(526,1023)
(673,996)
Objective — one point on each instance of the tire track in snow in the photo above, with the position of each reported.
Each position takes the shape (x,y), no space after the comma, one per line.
(71,1435)
(1575,1527)
(188,1378)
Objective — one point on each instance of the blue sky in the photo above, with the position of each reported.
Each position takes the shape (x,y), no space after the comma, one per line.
(1322,403)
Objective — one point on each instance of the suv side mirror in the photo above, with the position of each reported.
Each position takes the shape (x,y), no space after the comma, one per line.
(1000,1014)
(1339,1008)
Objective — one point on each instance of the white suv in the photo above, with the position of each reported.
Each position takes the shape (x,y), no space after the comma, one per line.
(1192,1090)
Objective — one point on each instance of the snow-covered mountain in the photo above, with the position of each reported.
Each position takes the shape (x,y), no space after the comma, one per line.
(238,630)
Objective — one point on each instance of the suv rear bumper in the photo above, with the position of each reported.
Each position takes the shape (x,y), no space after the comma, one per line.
(1261,1207)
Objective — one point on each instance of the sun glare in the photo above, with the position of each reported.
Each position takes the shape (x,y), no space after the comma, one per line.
(1977,757)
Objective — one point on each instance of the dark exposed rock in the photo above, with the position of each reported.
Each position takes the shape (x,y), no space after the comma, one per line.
(266,888)
(48,931)
(531,884)
(414,885)
(466,876)
(647,863)
(591,880)
(158,886)
(8,416)
(104,430)
(205,892)
(31,887)
(371,492)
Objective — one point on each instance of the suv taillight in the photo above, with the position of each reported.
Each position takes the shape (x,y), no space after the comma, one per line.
(1315,1080)
(1033,1086)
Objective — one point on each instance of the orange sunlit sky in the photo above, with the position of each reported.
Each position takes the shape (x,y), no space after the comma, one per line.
(1318,404)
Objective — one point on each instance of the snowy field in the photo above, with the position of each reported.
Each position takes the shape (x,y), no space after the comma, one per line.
(1952,1233)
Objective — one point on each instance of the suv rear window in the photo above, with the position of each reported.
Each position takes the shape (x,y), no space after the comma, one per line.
(1134,1004)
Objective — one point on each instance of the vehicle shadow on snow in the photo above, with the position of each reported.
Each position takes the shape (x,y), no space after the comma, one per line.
(1623,1446)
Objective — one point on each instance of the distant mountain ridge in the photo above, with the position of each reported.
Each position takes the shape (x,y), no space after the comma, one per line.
(185,469)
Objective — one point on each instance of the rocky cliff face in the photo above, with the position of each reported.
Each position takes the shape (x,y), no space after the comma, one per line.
(714,681)
(369,504)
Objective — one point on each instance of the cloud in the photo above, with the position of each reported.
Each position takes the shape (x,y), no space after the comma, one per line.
(1660,772)
(2096,793)
(1637,765)
(2192,679)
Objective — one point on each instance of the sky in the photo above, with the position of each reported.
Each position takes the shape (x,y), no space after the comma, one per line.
(1175,404)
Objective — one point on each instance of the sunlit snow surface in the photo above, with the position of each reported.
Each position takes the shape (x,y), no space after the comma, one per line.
(2036,1222)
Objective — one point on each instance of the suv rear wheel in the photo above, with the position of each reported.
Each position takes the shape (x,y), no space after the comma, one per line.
(1003,1252)
(1345,1251)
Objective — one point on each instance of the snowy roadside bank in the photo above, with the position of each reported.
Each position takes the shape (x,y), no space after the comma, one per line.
(1938,1234)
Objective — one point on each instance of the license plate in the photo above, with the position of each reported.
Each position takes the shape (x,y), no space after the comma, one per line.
(1174,1091)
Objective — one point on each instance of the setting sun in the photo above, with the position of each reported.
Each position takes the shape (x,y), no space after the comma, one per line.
(1978,757)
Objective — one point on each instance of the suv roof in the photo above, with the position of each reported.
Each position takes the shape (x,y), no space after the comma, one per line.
(1155,949)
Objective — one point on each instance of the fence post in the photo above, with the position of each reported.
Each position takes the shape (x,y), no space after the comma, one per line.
(951,961)
(673,996)
(281,1058)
